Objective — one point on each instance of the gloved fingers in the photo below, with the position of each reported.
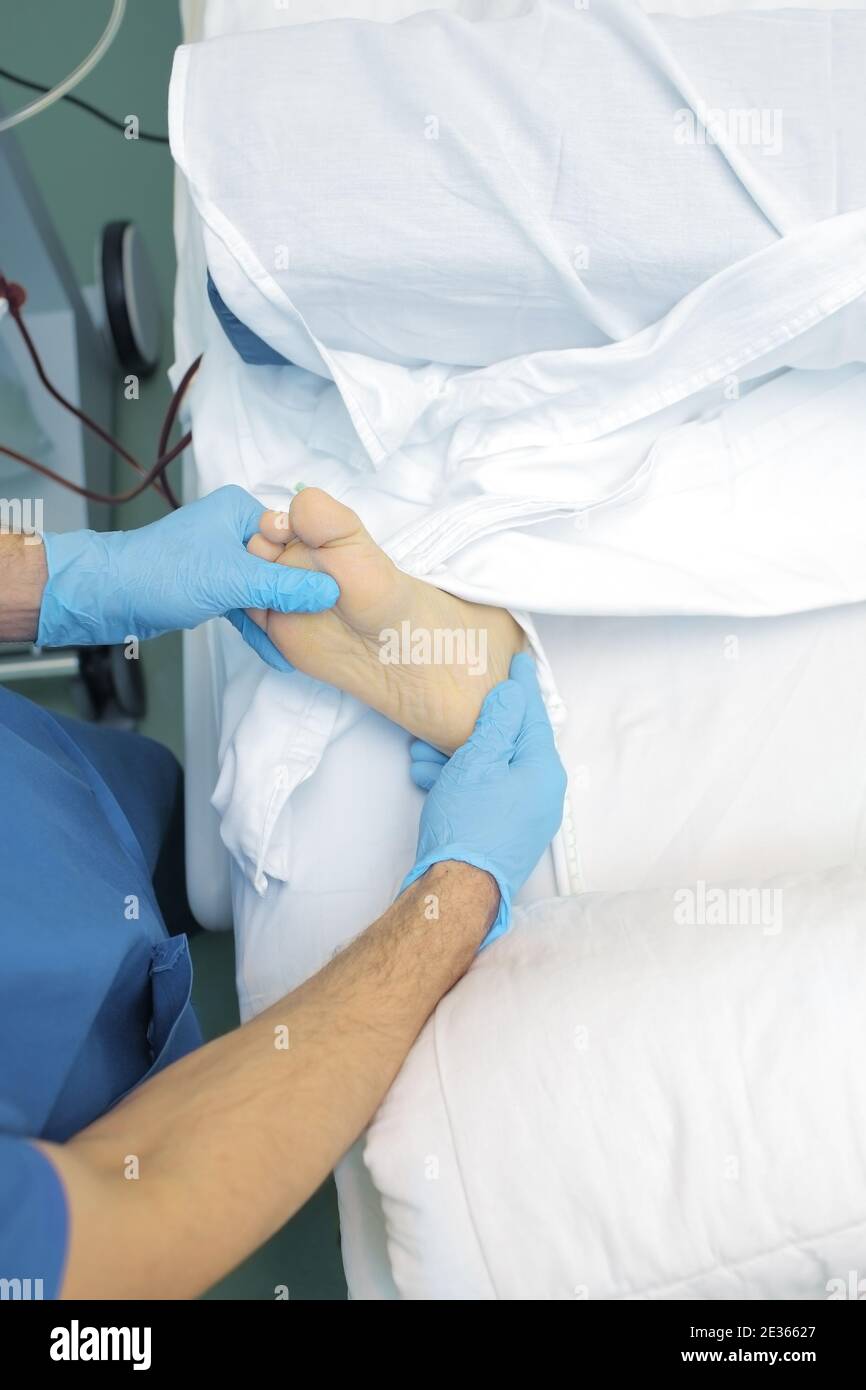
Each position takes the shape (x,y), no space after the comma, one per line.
(536,742)
(426,763)
(425,775)
(422,752)
(536,736)
(258,639)
(494,737)
(524,671)
(281,588)
(249,518)
(265,549)
(238,506)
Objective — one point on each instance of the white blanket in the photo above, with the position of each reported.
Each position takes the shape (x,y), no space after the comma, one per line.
(644,1095)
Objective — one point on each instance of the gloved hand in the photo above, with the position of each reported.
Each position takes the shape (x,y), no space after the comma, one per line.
(497,803)
(192,565)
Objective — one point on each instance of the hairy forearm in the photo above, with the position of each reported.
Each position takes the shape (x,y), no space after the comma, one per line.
(233,1139)
(23,575)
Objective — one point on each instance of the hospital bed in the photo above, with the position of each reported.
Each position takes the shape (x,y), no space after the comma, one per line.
(207,860)
(685,686)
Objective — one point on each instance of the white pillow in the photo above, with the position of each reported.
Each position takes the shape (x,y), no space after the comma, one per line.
(624,1099)
(466,190)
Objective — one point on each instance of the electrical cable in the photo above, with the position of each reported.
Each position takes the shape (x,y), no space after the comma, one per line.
(85,106)
(15,296)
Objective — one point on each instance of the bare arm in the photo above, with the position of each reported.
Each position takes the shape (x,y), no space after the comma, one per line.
(23,574)
(231,1140)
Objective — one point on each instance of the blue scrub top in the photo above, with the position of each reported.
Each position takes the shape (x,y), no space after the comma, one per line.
(247,344)
(94,995)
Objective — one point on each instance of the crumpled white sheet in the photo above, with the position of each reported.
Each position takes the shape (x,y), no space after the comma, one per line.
(666,472)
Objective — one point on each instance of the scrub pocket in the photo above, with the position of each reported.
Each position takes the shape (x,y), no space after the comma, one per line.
(173,1029)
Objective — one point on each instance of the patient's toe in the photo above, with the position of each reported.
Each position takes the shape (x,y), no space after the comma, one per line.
(275,527)
(318,519)
(263,547)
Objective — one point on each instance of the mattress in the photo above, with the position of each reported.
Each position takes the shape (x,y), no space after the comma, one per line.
(722,727)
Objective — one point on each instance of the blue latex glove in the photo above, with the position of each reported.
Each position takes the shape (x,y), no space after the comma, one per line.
(497,803)
(104,587)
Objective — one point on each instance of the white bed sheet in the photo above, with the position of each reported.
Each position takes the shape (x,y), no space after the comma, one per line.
(679,715)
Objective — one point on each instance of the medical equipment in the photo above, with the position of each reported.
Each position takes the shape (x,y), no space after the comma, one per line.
(73,341)
(77,75)
(121,315)
(125,303)
(126,300)
(70,345)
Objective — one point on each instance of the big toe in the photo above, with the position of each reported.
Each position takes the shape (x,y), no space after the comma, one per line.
(325,535)
(318,519)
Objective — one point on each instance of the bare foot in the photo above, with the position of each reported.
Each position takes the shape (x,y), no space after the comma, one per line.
(418,655)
